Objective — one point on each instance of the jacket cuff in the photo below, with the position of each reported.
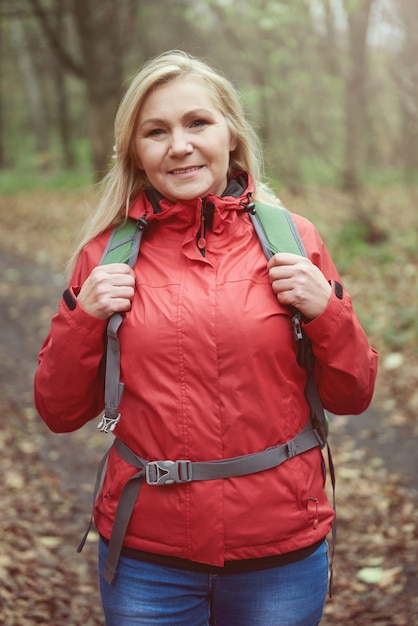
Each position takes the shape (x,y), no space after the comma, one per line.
(70,299)
(324,323)
(76,315)
(337,288)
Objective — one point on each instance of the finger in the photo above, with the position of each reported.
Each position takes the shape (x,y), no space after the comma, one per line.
(121,280)
(114,301)
(282,286)
(122,291)
(101,275)
(280,272)
(283,259)
(117,268)
(119,305)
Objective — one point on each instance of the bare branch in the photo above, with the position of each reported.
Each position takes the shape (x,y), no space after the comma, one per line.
(52,36)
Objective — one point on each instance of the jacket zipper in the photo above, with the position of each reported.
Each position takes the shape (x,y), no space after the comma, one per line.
(316,515)
(201,235)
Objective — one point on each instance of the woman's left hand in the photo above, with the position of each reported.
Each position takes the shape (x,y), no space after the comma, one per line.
(297,282)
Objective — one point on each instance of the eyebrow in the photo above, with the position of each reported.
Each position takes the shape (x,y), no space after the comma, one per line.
(188,115)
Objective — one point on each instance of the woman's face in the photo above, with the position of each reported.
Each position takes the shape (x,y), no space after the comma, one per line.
(182,141)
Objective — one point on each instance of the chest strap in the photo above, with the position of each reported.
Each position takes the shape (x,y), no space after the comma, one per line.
(168,472)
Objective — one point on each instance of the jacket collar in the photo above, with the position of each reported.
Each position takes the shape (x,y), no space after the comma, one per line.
(236,196)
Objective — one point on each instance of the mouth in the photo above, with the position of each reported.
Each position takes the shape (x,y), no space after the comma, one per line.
(185,170)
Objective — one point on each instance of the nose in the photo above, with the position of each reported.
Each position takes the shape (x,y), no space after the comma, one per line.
(180,143)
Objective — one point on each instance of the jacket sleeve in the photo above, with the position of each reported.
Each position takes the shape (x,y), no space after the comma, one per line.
(69,384)
(345,363)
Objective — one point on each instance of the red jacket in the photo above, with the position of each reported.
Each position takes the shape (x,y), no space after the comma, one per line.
(210,371)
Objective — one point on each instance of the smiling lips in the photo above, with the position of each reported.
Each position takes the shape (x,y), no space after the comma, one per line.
(185,170)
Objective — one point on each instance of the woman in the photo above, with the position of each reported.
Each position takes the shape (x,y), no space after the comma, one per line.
(209,366)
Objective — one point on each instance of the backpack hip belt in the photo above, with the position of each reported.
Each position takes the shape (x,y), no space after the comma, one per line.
(167,472)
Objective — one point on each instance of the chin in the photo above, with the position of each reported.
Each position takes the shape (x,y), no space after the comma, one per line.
(191,195)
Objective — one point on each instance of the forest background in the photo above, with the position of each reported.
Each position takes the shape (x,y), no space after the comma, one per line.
(332,89)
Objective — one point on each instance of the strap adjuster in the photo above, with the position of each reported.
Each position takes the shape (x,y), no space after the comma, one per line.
(291,449)
(168,472)
(297,326)
(108,424)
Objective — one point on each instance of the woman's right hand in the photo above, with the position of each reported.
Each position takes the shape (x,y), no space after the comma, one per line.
(109,289)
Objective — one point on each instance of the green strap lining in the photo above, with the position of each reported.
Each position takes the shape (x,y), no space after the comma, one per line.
(118,249)
(279,229)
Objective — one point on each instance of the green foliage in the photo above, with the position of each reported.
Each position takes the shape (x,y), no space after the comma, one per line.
(34,170)
(401,329)
(350,242)
(30,179)
(316,171)
(387,271)
(385,177)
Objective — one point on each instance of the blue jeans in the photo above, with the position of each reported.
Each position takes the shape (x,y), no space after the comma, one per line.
(154,595)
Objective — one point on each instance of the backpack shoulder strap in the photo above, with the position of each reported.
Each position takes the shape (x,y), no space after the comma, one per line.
(124,241)
(276,230)
(122,247)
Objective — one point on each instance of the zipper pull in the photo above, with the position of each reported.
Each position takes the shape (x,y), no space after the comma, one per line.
(201,242)
(206,222)
(316,518)
(201,234)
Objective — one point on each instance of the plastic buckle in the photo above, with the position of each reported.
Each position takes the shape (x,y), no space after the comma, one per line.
(168,472)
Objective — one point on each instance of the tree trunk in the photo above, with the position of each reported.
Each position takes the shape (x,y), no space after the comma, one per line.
(63,116)
(97,24)
(33,91)
(330,48)
(2,151)
(355,94)
(407,82)
(355,119)
(101,26)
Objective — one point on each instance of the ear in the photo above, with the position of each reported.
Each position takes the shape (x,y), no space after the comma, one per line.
(233,144)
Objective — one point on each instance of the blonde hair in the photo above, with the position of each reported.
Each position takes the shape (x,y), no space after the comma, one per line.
(125,180)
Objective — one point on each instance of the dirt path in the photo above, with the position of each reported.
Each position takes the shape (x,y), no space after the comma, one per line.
(49,482)
(28,300)
(46,492)
(379,437)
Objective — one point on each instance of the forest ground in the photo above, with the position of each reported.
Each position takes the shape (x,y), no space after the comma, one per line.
(46,490)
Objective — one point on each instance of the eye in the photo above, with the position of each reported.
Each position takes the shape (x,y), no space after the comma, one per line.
(199,123)
(155,132)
